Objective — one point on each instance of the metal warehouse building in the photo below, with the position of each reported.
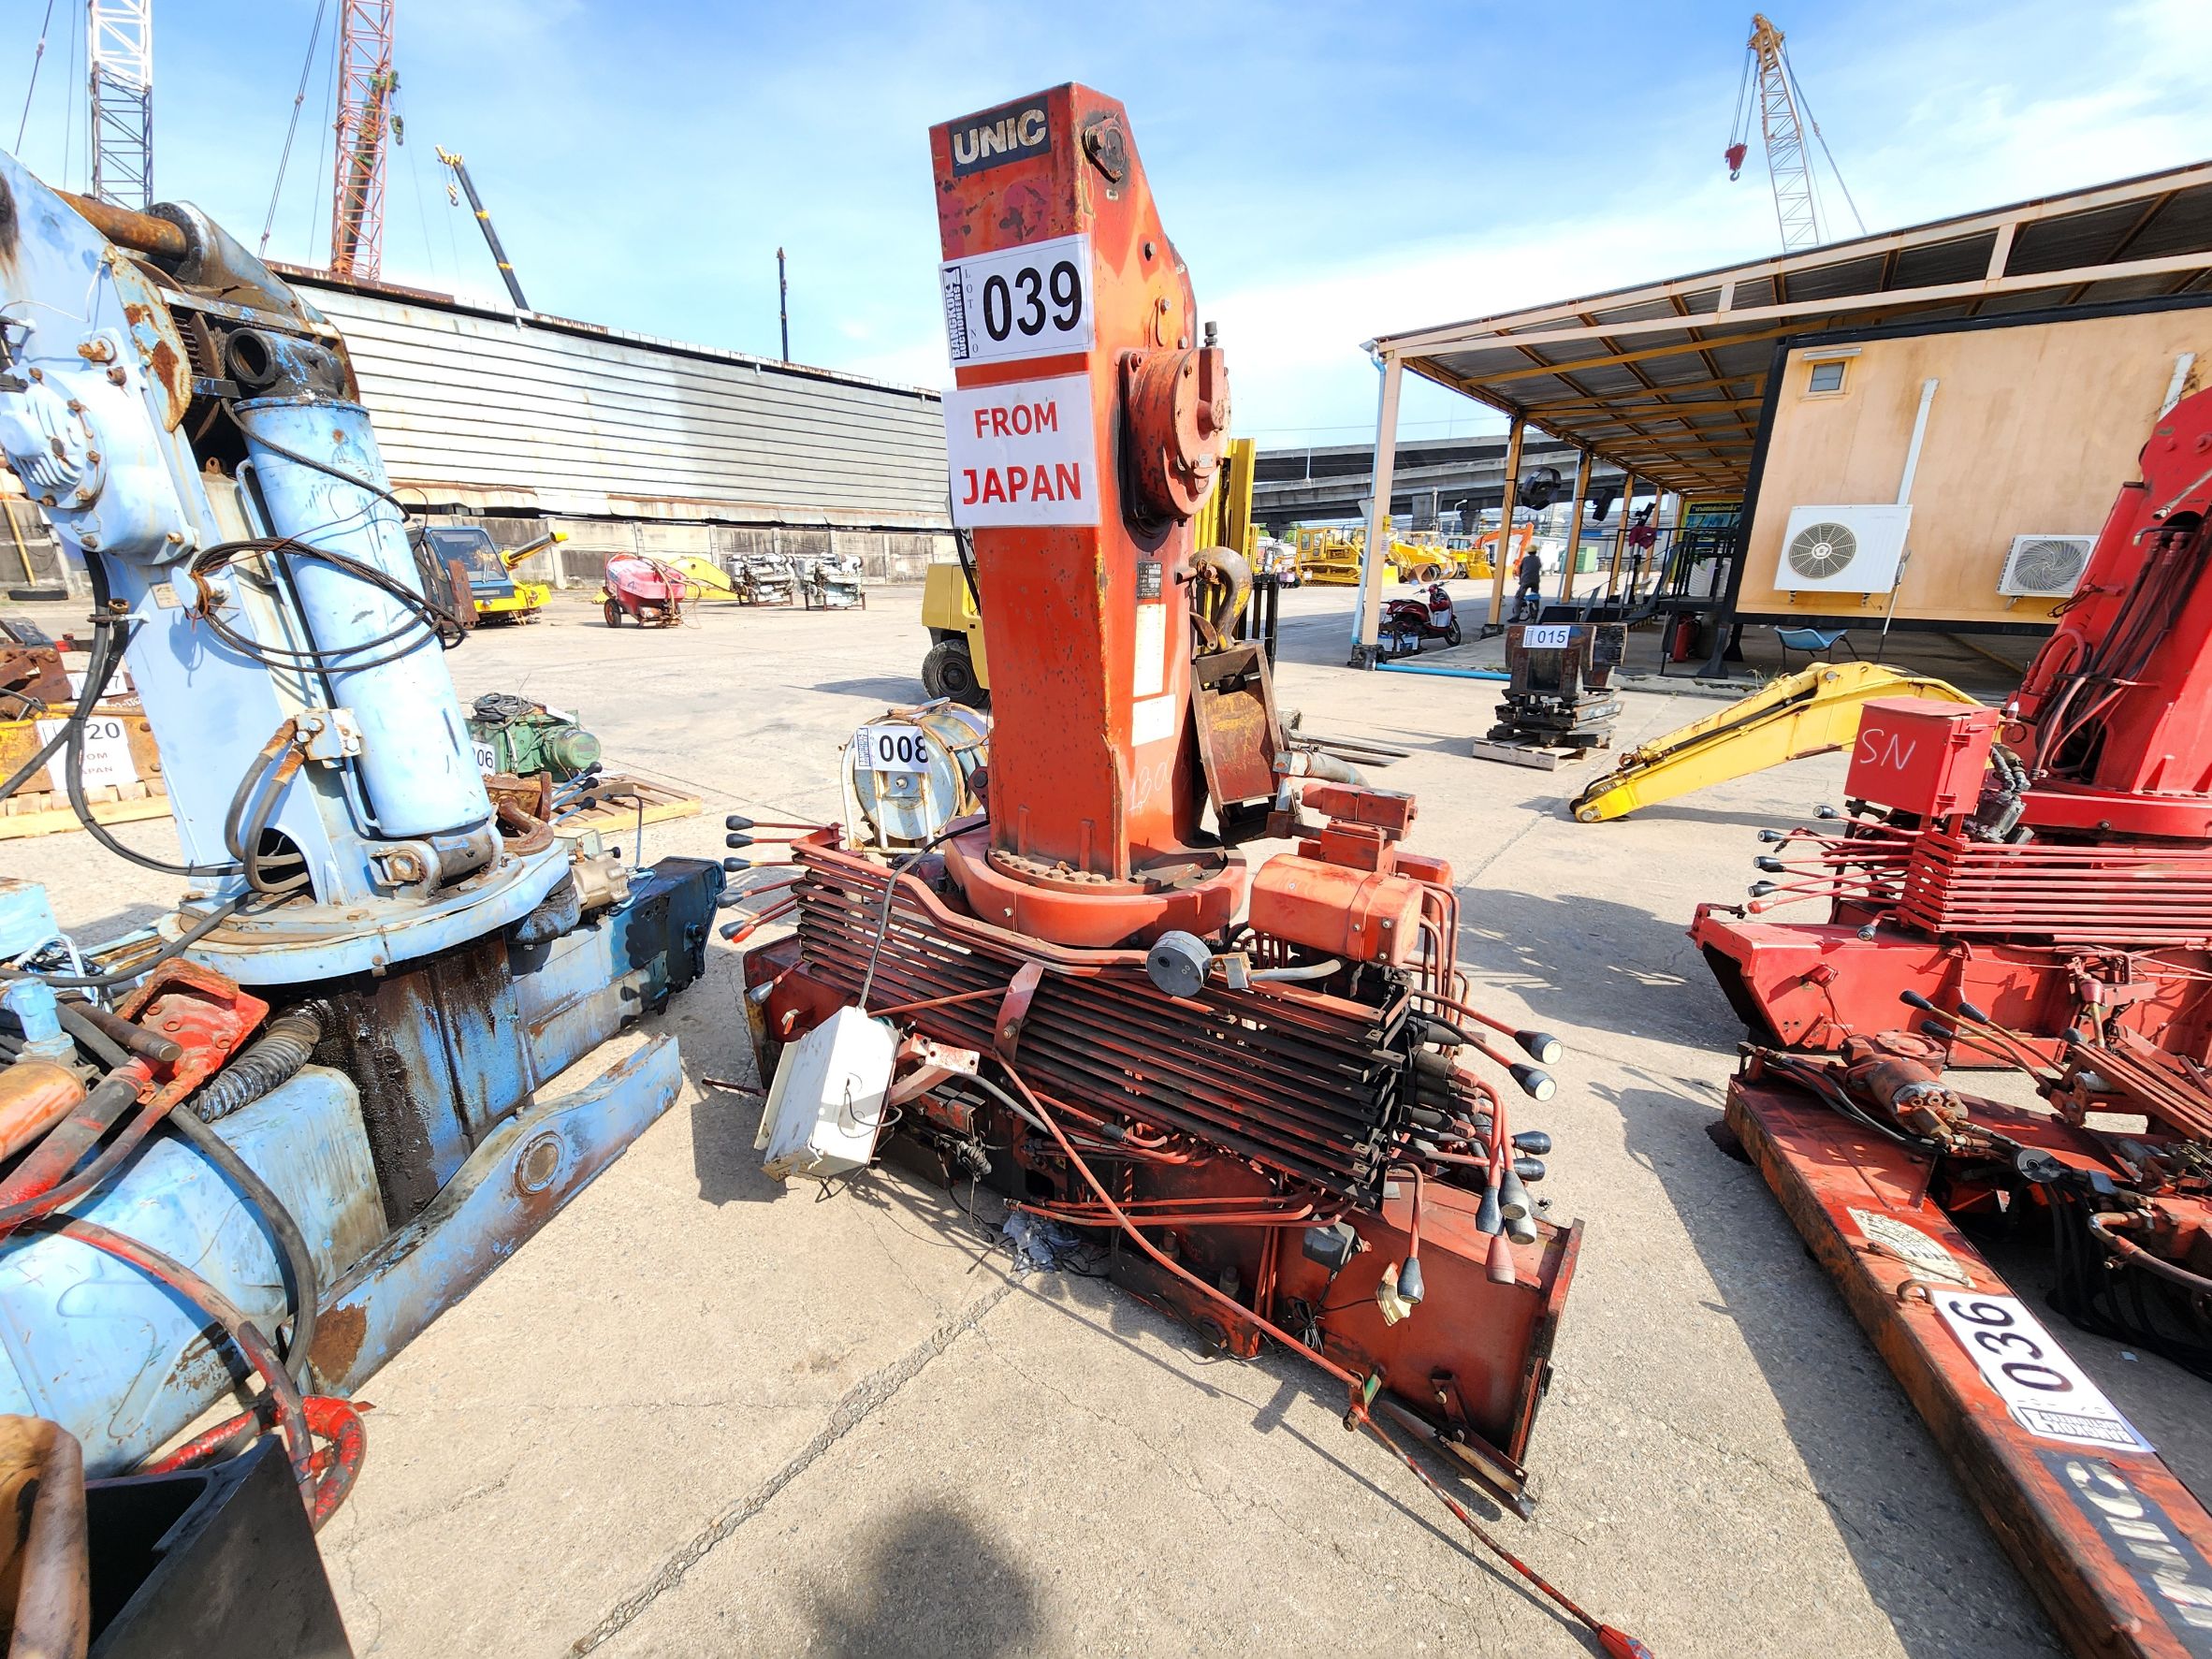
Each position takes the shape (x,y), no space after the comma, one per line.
(632,443)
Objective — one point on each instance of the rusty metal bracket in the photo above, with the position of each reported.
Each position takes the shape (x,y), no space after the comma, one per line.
(1014,1009)
(932,1062)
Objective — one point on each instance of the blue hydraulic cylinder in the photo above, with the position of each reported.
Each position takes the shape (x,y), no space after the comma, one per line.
(416,765)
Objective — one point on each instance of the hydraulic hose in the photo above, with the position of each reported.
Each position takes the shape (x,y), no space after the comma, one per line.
(1616,1643)
(283,1046)
(39,1175)
(291,1243)
(283,1398)
(107,651)
(91,1038)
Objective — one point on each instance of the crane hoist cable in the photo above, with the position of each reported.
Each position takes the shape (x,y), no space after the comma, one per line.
(307,67)
(37,57)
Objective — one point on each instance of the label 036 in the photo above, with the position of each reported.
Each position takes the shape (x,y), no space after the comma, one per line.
(2047,1393)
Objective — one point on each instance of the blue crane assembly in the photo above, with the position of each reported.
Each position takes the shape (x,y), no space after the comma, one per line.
(358,1062)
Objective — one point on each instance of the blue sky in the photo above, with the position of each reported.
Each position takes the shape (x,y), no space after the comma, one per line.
(1329,172)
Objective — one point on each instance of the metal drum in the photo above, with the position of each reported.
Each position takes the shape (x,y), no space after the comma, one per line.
(910,772)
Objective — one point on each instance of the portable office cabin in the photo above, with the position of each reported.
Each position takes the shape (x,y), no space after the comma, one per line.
(2033,422)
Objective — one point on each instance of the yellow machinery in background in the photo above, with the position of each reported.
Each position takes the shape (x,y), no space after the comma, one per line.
(704,580)
(1481,557)
(1329,557)
(451,557)
(1225,517)
(1812,712)
(955,666)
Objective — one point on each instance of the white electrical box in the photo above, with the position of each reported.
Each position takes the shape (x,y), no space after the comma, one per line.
(825,1107)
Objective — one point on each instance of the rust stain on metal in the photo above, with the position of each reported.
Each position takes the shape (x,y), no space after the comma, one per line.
(171,370)
(338,1339)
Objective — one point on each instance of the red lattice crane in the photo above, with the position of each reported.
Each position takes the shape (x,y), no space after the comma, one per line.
(367,86)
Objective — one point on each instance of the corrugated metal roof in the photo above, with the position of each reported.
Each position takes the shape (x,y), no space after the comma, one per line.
(1678,404)
(486,410)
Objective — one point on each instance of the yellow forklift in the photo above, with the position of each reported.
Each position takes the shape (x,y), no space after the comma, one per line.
(955,666)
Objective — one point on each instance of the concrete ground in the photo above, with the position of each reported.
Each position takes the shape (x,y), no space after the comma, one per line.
(703,1415)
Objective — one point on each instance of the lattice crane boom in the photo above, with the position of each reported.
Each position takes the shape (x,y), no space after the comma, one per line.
(119,51)
(367,86)
(1770,86)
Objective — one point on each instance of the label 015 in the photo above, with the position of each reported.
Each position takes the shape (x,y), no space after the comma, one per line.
(1030,301)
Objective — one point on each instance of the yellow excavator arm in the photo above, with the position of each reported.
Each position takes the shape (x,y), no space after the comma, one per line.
(518,555)
(1812,712)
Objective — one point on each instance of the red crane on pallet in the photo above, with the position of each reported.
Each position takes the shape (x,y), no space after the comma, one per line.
(2029,888)
(2051,862)
(1254,1084)
(367,86)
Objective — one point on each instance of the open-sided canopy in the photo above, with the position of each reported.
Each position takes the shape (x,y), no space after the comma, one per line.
(1666,379)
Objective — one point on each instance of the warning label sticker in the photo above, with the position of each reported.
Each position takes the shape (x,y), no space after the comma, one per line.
(1023,454)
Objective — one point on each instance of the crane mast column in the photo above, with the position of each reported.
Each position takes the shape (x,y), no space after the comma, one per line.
(1086,426)
(366,84)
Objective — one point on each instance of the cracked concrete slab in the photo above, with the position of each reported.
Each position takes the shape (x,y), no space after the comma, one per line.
(699,1414)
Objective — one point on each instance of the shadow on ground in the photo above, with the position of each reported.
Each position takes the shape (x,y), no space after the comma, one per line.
(882,687)
(931,1581)
(708,1021)
(1834,1392)
(1596,964)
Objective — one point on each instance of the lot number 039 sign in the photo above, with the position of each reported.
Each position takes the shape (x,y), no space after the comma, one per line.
(1030,301)
(892,748)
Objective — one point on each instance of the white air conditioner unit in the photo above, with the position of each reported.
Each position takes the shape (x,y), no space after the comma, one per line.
(2046,567)
(1842,549)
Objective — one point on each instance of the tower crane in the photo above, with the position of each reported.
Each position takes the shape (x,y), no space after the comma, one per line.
(367,86)
(1783,116)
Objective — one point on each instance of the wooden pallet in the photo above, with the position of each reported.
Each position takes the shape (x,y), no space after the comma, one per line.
(621,800)
(41,812)
(119,746)
(1542,757)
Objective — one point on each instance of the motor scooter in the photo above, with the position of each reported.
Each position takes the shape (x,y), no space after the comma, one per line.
(1411,621)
